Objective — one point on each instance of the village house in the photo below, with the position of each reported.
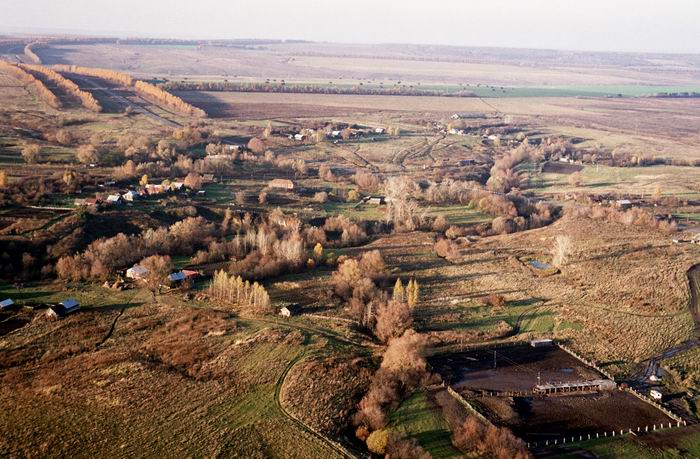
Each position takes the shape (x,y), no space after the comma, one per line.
(379,131)
(63,308)
(281,184)
(290,310)
(623,204)
(131,196)
(375,200)
(114,199)
(6,304)
(136,272)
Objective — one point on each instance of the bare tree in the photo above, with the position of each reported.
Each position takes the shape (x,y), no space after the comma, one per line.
(561,252)
(30,153)
(159,267)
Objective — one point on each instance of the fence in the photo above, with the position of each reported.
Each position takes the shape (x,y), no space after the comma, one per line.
(585,361)
(621,432)
(462,401)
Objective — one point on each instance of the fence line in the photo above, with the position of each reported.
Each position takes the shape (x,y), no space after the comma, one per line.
(462,401)
(585,361)
(597,435)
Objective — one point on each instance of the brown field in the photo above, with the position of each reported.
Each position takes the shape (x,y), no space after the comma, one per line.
(651,126)
(324,62)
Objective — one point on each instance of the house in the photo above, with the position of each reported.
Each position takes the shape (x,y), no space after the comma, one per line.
(136,272)
(154,189)
(654,378)
(6,304)
(290,310)
(131,196)
(375,200)
(335,134)
(177,277)
(299,137)
(655,394)
(87,202)
(207,178)
(114,199)
(176,186)
(541,343)
(189,274)
(282,184)
(63,308)
(379,131)
(623,204)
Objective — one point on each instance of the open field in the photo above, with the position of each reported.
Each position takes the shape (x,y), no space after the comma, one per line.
(430,64)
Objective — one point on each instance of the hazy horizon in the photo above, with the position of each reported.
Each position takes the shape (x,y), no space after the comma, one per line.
(621,26)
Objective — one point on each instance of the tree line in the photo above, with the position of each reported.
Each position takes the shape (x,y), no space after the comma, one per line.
(145,89)
(32,83)
(29,52)
(86,99)
(152,91)
(227,86)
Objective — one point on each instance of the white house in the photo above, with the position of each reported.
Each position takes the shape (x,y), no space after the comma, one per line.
(131,196)
(379,131)
(299,137)
(655,394)
(136,272)
(114,199)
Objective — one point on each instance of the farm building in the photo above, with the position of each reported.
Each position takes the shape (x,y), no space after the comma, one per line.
(114,199)
(290,310)
(131,196)
(379,131)
(6,304)
(623,203)
(655,394)
(177,277)
(136,272)
(64,308)
(541,343)
(375,200)
(281,184)
(577,386)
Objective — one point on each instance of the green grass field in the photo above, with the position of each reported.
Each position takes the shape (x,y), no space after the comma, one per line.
(420,418)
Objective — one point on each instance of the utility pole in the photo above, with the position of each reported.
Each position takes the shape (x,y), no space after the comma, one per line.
(538,378)
(494,360)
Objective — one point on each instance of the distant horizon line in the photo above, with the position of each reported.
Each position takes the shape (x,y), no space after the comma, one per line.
(20,32)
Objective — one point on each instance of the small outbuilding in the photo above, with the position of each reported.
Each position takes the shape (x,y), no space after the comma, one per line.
(63,308)
(281,184)
(136,272)
(541,343)
(114,199)
(290,310)
(655,394)
(623,204)
(6,304)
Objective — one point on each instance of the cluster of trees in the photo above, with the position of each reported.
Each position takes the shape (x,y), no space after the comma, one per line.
(403,369)
(31,83)
(160,95)
(86,98)
(355,282)
(350,233)
(282,87)
(105,257)
(503,177)
(233,289)
(631,217)
(491,441)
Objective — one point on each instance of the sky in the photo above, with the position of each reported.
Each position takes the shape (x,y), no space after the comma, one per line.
(596,25)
